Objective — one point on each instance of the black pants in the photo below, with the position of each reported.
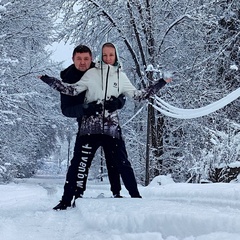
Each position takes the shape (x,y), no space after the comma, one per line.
(117,162)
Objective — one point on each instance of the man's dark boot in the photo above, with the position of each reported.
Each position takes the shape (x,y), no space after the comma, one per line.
(117,195)
(136,195)
(62,205)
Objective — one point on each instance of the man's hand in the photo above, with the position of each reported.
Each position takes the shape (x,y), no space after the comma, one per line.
(92,109)
(115,103)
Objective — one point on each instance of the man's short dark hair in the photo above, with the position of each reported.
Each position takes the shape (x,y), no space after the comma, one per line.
(82,49)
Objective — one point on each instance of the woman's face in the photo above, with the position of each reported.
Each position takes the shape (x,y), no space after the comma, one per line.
(109,55)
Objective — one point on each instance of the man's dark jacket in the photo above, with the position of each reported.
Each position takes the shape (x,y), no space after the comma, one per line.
(71,106)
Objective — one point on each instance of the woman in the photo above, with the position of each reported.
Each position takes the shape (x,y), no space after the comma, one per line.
(104,84)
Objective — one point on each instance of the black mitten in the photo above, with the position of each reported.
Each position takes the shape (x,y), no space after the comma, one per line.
(115,103)
(58,85)
(154,88)
(122,100)
(92,109)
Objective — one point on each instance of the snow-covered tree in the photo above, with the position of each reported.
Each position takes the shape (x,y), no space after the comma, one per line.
(140,29)
(28,131)
(192,39)
(211,75)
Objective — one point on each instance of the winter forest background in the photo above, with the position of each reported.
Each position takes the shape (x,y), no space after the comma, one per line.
(197,41)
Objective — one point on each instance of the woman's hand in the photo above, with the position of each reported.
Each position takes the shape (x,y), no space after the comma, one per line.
(168,80)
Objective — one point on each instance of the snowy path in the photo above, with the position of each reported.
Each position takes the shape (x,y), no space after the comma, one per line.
(169,212)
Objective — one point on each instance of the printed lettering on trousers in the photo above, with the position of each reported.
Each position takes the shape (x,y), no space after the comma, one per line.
(80,184)
(82,168)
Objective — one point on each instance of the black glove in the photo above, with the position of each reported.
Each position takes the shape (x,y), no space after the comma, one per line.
(92,109)
(154,88)
(115,103)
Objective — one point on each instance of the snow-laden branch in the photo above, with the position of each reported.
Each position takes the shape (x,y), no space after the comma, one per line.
(137,34)
(214,56)
(118,28)
(177,21)
(181,113)
(134,116)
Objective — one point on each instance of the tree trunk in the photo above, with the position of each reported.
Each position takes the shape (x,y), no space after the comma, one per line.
(154,140)
(147,170)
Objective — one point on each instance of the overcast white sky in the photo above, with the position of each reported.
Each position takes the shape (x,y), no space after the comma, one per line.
(62,52)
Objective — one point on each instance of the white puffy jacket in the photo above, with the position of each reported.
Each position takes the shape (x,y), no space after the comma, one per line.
(104,81)
(100,84)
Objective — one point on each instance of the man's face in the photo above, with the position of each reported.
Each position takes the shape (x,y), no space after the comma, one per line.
(82,61)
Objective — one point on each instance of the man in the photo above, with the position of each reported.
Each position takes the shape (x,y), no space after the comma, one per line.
(74,107)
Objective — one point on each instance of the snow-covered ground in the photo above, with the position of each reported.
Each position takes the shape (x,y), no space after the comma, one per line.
(170,211)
